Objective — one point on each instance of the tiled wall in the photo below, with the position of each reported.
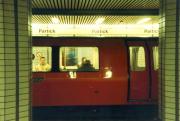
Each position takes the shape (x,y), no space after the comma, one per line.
(169,60)
(15,60)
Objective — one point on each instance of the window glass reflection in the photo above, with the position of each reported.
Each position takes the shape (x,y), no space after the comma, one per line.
(137,58)
(79,58)
(41,59)
(156,57)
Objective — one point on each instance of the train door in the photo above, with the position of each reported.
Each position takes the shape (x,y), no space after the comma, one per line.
(41,65)
(143,67)
(154,57)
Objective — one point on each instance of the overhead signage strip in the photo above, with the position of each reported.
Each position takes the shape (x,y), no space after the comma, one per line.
(124,30)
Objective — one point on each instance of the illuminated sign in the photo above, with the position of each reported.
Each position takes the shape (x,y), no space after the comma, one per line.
(100,31)
(46,31)
(150,31)
(125,30)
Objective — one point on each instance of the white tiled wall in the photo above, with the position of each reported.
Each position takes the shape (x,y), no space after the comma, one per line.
(168,50)
(8,61)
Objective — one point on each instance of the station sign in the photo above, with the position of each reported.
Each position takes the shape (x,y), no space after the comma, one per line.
(120,30)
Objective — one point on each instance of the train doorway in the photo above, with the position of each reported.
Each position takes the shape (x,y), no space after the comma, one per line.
(143,71)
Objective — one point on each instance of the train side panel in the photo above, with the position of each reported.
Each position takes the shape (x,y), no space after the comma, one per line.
(89,88)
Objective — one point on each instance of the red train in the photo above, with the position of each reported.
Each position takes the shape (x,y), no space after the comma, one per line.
(125,71)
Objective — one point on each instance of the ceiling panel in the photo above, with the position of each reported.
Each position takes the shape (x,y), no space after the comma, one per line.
(95,4)
(88,11)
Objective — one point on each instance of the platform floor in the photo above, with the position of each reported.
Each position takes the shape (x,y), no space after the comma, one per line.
(104,119)
(113,113)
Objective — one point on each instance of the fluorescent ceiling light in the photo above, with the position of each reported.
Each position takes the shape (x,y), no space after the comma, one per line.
(55,20)
(100,20)
(144,20)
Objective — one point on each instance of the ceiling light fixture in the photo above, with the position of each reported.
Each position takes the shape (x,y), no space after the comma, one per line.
(55,20)
(100,20)
(144,20)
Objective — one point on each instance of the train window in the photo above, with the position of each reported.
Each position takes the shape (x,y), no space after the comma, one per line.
(41,59)
(137,58)
(79,59)
(156,57)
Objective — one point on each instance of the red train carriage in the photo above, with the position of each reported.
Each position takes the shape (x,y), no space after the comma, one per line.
(124,71)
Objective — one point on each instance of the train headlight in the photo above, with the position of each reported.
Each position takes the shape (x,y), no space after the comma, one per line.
(108,74)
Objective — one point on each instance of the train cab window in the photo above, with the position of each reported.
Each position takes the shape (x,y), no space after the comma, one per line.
(79,59)
(156,57)
(137,58)
(41,60)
